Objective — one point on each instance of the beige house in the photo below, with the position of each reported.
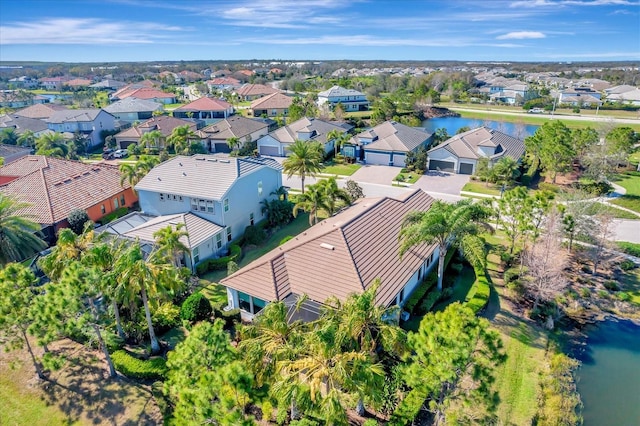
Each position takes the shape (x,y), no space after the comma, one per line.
(273,105)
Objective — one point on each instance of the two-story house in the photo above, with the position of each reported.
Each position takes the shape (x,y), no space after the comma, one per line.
(129,110)
(89,122)
(350,99)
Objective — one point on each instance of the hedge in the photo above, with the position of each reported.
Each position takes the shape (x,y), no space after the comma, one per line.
(196,308)
(429,281)
(478,295)
(229,317)
(408,409)
(220,264)
(130,366)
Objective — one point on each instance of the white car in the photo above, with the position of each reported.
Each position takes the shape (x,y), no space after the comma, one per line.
(120,153)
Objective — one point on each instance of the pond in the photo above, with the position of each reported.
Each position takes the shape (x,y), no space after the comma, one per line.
(609,378)
(452,124)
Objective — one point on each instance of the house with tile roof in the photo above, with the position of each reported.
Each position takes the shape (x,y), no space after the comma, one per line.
(132,109)
(227,191)
(22,124)
(205,108)
(10,153)
(387,143)
(339,256)
(223,83)
(579,96)
(108,84)
(162,123)
(146,93)
(53,83)
(460,154)
(53,187)
(89,122)
(630,97)
(350,99)
(276,143)
(40,111)
(249,92)
(215,136)
(77,83)
(273,105)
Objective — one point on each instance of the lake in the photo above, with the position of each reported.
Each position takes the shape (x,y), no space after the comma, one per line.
(609,378)
(452,124)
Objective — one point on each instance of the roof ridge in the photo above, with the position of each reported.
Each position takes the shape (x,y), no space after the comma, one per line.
(352,262)
(46,192)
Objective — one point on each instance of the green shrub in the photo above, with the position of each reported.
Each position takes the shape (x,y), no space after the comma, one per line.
(230,317)
(517,288)
(117,213)
(408,409)
(595,188)
(478,295)
(130,366)
(624,296)
(429,282)
(254,235)
(603,294)
(196,308)
(370,422)
(428,301)
(285,239)
(507,258)
(586,269)
(511,274)
(585,292)
(611,285)
(544,186)
(220,264)
(77,219)
(627,265)
(165,317)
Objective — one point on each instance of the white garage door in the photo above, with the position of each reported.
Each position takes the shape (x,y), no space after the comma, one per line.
(399,160)
(269,150)
(378,158)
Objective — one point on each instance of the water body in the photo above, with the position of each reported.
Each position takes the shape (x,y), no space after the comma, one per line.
(609,378)
(452,124)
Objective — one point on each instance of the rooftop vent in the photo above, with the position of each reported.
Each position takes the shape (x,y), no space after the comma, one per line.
(184,174)
(225,161)
(213,160)
(159,178)
(327,246)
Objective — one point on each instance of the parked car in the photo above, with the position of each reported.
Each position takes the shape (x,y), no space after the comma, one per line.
(107,154)
(536,111)
(120,153)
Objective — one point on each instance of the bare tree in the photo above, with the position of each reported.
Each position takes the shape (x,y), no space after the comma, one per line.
(601,235)
(545,262)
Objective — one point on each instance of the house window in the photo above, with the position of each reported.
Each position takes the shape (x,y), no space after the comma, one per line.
(251,219)
(203,205)
(180,198)
(260,188)
(103,209)
(244,300)
(258,305)
(194,204)
(229,237)
(161,196)
(419,273)
(122,203)
(116,203)
(196,255)
(219,241)
(226,204)
(209,206)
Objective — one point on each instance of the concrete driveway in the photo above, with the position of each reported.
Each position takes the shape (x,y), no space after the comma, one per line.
(382,175)
(445,183)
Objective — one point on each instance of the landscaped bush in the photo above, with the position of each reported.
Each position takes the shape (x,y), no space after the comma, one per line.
(285,239)
(511,274)
(428,301)
(594,188)
(627,265)
(408,409)
(117,213)
(220,264)
(229,317)
(624,296)
(478,295)
(254,235)
(165,317)
(429,282)
(130,366)
(196,308)
(611,285)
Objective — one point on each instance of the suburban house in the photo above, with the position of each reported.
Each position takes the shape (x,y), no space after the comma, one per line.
(20,99)
(514,94)
(249,92)
(215,136)
(24,82)
(146,93)
(579,96)
(40,111)
(387,143)
(305,129)
(162,123)
(53,187)
(273,105)
(21,124)
(77,83)
(129,110)
(10,153)
(223,83)
(53,83)
(339,256)
(624,95)
(460,154)
(227,191)
(207,109)
(108,84)
(89,122)
(350,99)
(204,237)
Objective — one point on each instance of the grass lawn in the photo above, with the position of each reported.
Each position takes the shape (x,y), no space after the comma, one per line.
(630,248)
(409,177)
(171,107)
(482,188)
(631,182)
(631,285)
(461,288)
(341,169)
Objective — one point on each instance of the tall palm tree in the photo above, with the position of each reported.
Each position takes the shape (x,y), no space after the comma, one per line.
(18,238)
(52,145)
(152,139)
(180,137)
(305,159)
(447,225)
(311,201)
(69,247)
(129,173)
(338,138)
(505,171)
(333,194)
(169,245)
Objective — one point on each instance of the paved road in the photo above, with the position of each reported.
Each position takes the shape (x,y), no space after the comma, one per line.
(557,116)
(626,230)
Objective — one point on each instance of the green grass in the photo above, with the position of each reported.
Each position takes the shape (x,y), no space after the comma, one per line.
(461,288)
(631,182)
(482,188)
(409,177)
(341,169)
(630,248)
(631,284)
(171,107)
(635,157)
(617,213)
(216,293)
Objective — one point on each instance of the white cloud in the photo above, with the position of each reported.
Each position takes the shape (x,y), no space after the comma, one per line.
(560,3)
(84,31)
(520,35)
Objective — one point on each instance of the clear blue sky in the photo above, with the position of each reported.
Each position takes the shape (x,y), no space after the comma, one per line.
(469,30)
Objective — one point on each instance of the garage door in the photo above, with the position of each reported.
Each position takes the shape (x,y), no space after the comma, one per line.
(376,158)
(221,147)
(399,160)
(444,166)
(466,169)
(269,150)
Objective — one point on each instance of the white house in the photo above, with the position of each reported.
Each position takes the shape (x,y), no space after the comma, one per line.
(350,99)
(89,122)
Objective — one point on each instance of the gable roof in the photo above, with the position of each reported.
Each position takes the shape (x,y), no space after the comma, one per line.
(235,126)
(108,84)
(143,93)
(341,255)
(339,91)
(185,175)
(465,145)
(74,115)
(163,123)
(53,187)
(255,90)
(393,136)
(289,134)
(273,101)
(22,124)
(133,105)
(205,104)
(40,111)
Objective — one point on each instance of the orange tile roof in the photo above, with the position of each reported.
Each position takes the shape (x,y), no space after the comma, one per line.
(53,187)
(255,90)
(206,104)
(273,101)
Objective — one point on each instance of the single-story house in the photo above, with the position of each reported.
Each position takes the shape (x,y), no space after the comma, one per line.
(11,153)
(133,109)
(631,97)
(162,123)
(146,93)
(388,143)
(460,154)
(249,92)
(205,109)
(215,136)
(53,187)
(223,83)
(273,105)
(339,256)
(305,129)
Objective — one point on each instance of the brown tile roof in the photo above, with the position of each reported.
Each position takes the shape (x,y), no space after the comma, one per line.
(206,104)
(78,82)
(465,145)
(163,123)
(40,111)
(273,101)
(341,255)
(235,126)
(144,93)
(54,186)
(255,90)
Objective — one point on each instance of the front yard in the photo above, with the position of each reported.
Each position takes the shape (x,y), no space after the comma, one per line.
(341,169)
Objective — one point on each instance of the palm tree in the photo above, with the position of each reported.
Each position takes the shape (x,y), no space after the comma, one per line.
(169,245)
(52,145)
(69,247)
(18,238)
(447,225)
(333,194)
(233,143)
(129,173)
(27,138)
(151,139)
(9,136)
(311,201)
(338,138)
(281,193)
(305,160)
(505,171)
(180,137)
